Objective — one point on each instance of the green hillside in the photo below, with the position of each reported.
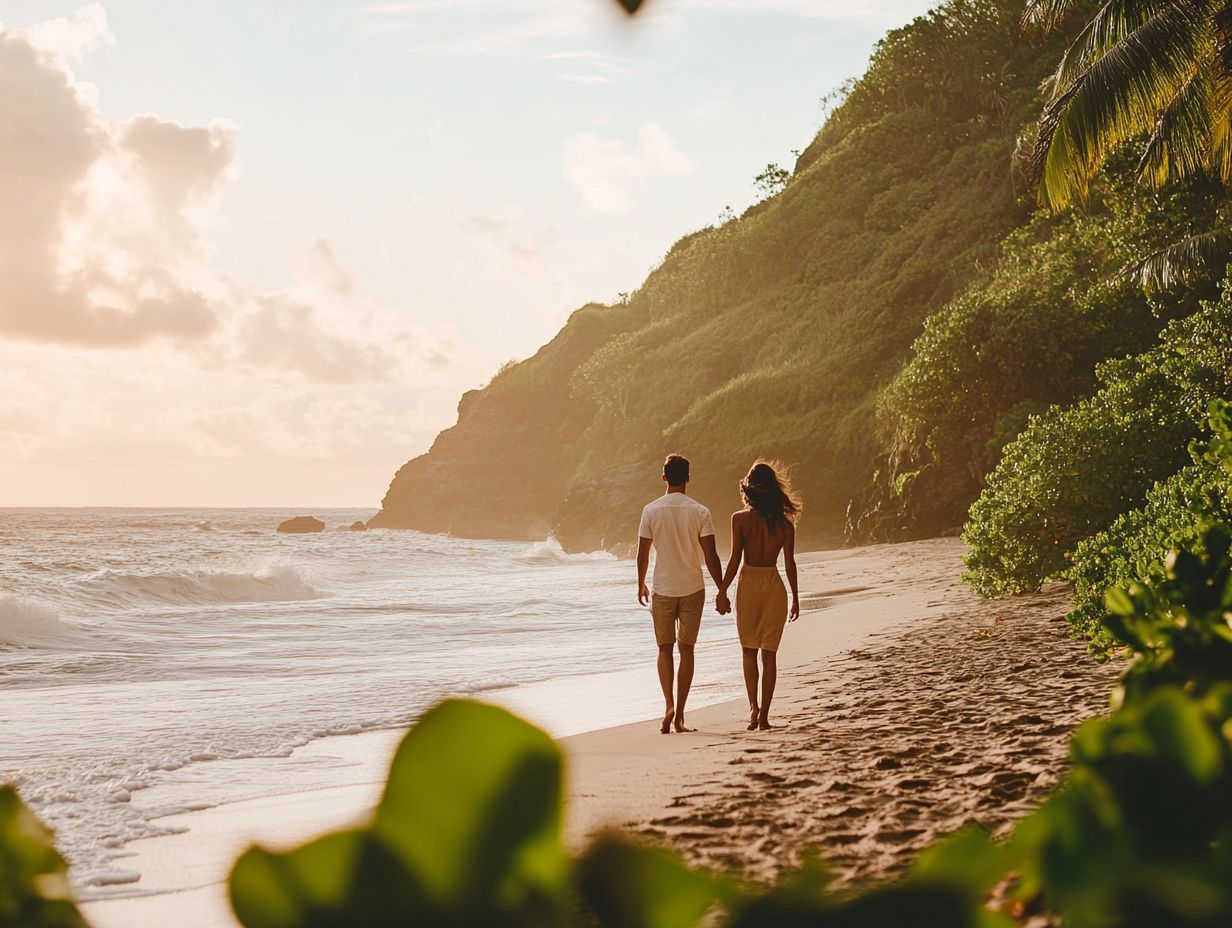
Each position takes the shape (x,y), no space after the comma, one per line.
(771,334)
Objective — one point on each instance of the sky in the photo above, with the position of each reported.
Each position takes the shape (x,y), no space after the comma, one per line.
(252,254)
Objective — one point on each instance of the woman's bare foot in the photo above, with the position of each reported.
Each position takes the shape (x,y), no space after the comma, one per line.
(754,715)
(763,724)
(668,717)
(681,726)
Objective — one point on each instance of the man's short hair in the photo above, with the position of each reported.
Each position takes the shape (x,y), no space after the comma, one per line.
(676,469)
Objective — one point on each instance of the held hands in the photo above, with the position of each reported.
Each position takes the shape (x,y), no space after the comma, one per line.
(795,609)
(722,604)
(643,594)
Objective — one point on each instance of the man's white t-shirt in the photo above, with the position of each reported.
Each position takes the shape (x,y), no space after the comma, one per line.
(676,525)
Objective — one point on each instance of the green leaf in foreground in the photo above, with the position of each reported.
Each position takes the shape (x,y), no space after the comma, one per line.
(341,880)
(468,833)
(473,807)
(34,889)
(626,885)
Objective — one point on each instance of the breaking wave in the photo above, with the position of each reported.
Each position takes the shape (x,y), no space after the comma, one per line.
(280,583)
(549,551)
(26,623)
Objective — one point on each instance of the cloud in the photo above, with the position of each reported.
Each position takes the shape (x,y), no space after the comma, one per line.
(478,27)
(525,259)
(586,78)
(98,218)
(134,367)
(609,174)
(105,239)
(70,38)
(322,329)
(518,39)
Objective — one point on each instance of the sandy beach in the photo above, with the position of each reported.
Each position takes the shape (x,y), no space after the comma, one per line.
(909,707)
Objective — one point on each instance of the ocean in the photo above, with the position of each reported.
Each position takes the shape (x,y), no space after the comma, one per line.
(136,644)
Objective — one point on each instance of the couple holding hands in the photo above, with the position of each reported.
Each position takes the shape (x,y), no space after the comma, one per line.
(682,534)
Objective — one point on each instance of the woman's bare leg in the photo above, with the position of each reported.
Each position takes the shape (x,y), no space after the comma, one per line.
(769,676)
(750,684)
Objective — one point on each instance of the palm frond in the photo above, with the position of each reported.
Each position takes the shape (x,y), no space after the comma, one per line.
(1118,96)
(1219,120)
(1219,104)
(1179,261)
(1180,141)
(1045,13)
(1112,24)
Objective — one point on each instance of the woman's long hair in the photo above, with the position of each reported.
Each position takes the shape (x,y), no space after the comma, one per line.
(770,495)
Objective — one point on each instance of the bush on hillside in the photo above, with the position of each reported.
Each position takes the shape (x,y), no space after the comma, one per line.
(1074,470)
(1031,334)
(1176,515)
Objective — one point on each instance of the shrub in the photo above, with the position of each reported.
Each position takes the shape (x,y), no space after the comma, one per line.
(1074,470)
(1031,334)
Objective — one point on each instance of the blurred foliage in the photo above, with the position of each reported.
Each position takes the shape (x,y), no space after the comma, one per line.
(468,833)
(34,888)
(1075,469)
(1140,834)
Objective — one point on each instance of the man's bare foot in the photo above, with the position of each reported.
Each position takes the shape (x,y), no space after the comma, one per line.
(681,726)
(754,715)
(668,717)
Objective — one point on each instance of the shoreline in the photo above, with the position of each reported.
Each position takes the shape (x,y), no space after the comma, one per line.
(854,601)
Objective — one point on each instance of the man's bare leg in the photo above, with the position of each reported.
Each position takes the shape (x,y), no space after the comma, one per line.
(683,682)
(750,684)
(769,676)
(666,672)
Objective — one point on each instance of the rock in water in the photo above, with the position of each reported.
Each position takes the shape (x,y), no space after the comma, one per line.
(302,525)
(358,527)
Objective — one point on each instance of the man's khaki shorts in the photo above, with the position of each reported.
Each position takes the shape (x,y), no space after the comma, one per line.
(671,612)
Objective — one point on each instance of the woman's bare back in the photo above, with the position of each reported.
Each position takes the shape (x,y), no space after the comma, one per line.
(760,543)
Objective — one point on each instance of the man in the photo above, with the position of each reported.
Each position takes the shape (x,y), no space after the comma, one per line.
(682,533)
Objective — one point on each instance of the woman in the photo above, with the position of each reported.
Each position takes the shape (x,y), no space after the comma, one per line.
(764,527)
